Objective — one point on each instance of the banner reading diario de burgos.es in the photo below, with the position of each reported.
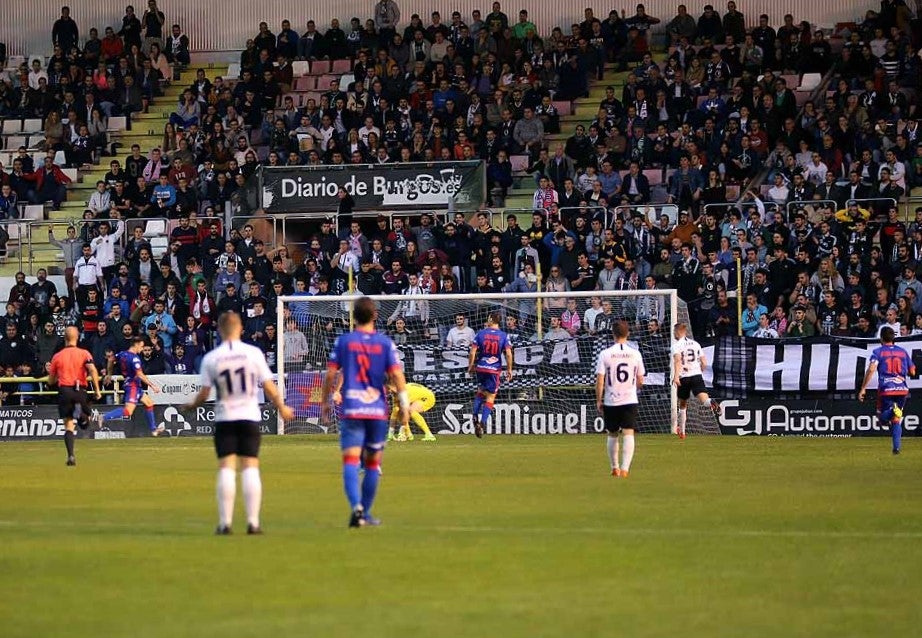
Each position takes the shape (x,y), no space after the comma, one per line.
(306,189)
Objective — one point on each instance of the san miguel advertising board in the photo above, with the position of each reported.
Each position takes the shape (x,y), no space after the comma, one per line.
(313,189)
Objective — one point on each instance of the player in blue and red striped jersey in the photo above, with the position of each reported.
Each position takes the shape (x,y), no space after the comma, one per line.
(129,366)
(363,361)
(893,366)
(486,361)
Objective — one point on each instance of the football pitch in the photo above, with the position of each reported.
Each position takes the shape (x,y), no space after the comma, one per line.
(508,536)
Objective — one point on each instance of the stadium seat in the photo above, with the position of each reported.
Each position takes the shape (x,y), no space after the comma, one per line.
(564,107)
(71,173)
(320,67)
(159,246)
(33,125)
(519,162)
(791,79)
(323,82)
(117,123)
(6,158)
(341,66)
(233,71)
(300,67)
(654,176)
(36,211)
(155,228)
(13,142)
(306,83)
(810,81)
(12,126)
(346,80)
(59,158)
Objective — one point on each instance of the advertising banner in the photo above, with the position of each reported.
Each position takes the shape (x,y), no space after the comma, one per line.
(176,389)
(42,422)
(744,365)
(550,364)
(313,189)
(815,418)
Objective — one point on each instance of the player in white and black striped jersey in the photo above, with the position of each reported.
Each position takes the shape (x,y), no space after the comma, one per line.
(688,364)
(619,373)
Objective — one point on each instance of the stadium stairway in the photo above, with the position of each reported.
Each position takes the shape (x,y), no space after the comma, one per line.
(583,111)
(146,130)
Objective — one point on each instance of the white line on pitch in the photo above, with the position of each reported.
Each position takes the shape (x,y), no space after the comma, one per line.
(474,529)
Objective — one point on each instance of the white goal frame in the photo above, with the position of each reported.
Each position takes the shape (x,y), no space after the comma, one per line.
(671,307)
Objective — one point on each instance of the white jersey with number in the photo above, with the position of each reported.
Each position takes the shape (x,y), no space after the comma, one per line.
(689,353)
(236,371)
(620,364)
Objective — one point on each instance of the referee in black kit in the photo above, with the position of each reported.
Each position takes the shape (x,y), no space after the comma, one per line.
(69,369)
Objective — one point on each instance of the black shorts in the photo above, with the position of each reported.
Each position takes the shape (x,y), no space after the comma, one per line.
(237,437)
(619,417)
(691,387)
(68,400)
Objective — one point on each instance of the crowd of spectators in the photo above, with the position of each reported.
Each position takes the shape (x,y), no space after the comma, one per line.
(716,111)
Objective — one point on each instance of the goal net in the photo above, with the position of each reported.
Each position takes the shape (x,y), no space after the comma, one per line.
(556,341)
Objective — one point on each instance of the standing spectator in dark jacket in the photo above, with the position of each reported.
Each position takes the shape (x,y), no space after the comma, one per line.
(152,23)
(499,178)
(131,28)
(65,33)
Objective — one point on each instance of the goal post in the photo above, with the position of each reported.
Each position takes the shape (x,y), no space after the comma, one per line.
(553,387)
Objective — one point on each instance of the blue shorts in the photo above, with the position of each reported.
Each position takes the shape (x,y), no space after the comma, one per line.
(886,403)
(488,382)
(365,433)
(133,392)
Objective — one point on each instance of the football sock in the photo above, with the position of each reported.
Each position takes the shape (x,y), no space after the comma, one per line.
(226,493)
(896,433)
(351,480)
(683,416)
(69,442)
(370,484)
(478,403)
(117,413)
(149,415)
(252,493)
(418,419)
(485,412)
(627,452)
(613,451)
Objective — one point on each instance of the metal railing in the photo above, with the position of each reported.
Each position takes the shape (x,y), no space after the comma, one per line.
(43,385)
(798,206)
(16,229)
(652,212)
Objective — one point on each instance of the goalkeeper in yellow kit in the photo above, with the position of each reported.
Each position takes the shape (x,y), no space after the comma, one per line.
(422,399)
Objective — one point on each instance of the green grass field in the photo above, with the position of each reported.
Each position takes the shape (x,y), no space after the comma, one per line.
(514,536)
